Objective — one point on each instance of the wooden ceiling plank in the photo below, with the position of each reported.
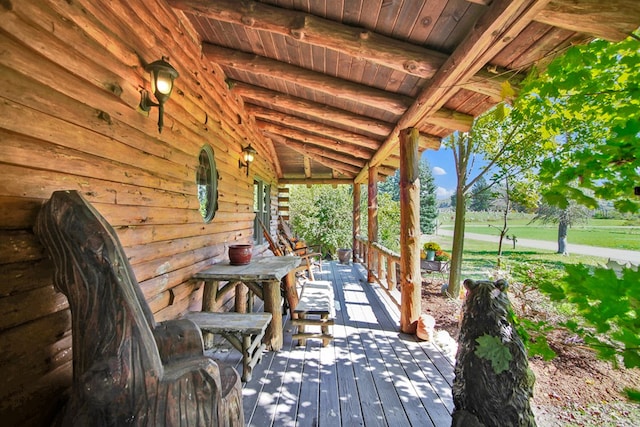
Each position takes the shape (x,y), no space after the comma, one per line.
(353,41)
(609,20)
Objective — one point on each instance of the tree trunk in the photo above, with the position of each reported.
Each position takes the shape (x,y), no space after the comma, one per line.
(563,228)
(455,271)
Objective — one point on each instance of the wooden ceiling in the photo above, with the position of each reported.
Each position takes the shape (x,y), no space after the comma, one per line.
(331,83)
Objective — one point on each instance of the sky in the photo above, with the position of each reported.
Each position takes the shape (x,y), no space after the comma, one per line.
(443,170)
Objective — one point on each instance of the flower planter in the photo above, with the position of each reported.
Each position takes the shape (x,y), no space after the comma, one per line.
(240,254)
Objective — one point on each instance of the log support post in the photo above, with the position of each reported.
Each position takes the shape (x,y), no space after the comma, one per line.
(372,221)
(356,221)
(411,279)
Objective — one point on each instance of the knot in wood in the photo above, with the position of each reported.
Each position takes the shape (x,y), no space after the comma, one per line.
(248,20)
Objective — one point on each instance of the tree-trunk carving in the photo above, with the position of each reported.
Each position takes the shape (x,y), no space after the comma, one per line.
(127,370)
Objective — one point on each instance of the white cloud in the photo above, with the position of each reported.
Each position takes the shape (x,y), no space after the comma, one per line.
(437,171)
(443,193)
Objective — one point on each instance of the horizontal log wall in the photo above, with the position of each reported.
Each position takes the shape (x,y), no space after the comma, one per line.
(71,74)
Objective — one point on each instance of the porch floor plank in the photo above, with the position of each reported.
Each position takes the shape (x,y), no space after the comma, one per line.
(369,375)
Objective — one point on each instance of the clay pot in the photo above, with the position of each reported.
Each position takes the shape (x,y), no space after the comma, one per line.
(240,254)
(344,256)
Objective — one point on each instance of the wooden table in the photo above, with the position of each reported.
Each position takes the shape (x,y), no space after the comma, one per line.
(262,276)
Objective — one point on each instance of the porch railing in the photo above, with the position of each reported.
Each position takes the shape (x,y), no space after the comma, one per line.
(385,262)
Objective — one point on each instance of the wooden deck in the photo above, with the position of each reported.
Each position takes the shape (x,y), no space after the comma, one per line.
(369,375)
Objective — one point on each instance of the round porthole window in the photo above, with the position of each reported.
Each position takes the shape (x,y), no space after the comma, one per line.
(207,182)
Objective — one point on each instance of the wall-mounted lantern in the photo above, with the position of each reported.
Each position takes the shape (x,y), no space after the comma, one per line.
(162,77)
(247,156)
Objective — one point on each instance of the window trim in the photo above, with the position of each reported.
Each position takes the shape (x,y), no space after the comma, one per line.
(212,180)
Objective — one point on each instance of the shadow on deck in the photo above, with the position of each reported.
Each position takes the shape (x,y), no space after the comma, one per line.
(369,375)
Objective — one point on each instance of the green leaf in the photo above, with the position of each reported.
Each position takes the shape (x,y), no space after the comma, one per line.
(492,349)
(632,394)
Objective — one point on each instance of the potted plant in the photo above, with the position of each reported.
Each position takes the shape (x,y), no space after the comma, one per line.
(431,248)
(442,256)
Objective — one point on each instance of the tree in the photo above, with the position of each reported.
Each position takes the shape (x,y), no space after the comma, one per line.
(480,198)
(507,145)
(586,106)
(515,190)
(322,215)
(564,217)
(391,186)
(428,202)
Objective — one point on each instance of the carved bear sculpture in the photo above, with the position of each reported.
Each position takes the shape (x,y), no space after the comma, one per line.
(493,382)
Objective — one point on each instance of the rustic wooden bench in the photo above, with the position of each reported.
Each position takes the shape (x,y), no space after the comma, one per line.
(317,300)
(127,369)
(243,330)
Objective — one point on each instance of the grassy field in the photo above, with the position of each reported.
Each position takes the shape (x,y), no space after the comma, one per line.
(481,258)
(608,233)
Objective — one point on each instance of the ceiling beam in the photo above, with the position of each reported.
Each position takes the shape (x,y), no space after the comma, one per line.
(309,138)
(445,118)
(502,22)
(291,104)
(610,20)
(352,41)
(328,158)
(386,102)
(313,127)
(315,181)
(307,166)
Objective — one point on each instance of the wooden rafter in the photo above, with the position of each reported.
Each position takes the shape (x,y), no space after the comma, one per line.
(356,42)
(287,103)
(317,140)
(265,114)
(613,21)
(503,20)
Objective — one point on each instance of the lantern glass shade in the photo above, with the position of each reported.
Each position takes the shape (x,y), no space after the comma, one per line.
(248,155)
(162,76)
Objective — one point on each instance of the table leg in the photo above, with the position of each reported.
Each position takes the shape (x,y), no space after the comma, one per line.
(208,304)
(273,304)
(241,298)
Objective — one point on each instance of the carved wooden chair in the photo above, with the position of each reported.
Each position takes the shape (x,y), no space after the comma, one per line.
(127,370)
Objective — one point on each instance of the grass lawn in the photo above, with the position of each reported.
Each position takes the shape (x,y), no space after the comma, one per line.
(481,258)
(610,233)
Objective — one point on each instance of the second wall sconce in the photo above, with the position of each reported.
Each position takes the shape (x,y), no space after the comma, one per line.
(162,77)
(247,156)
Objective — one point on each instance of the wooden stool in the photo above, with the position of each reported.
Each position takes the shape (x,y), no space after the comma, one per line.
(243,330)
(316,299)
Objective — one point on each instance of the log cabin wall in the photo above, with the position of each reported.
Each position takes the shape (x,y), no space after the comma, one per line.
(71,74)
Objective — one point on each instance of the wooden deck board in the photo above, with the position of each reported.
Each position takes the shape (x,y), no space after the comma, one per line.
(370,374)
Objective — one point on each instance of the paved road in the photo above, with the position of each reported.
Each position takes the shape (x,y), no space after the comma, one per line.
(620,255)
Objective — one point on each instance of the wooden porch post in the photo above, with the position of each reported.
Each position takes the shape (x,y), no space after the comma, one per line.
(372,223)
(356,220)
(411,279)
